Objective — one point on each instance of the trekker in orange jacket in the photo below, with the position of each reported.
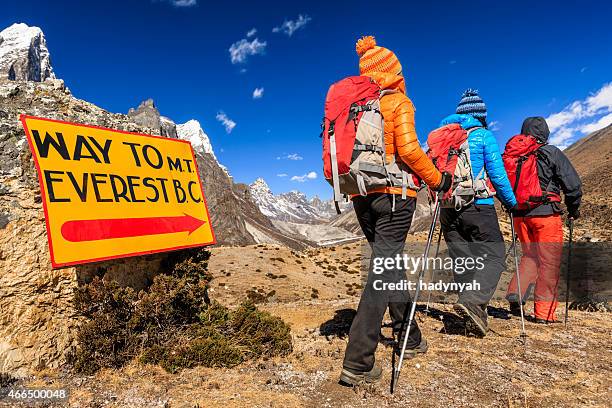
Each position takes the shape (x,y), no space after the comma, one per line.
(385,224)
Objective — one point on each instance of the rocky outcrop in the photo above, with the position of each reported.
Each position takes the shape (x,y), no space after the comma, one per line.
(146,114)
(24,55)
(37,321)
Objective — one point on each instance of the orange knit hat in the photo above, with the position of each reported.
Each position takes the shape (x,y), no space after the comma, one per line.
(373,58)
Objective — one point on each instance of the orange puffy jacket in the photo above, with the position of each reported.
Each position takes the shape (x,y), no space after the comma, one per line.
(400,135)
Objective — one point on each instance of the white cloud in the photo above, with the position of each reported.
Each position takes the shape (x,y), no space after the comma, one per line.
(600,124)
(581,117)
(292,156)
(251,32)
(562,138)
(184,3)
(494,126)
(291,26)
(452,62)
(258,93)
(241,50)
(308,176)
(583,69)
(226,122)
(282,175)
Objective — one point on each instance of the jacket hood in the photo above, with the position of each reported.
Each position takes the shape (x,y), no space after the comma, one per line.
(389,81)
(466,121)
(536,127)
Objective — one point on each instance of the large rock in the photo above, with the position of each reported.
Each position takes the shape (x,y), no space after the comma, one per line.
(24,55)
(37,319)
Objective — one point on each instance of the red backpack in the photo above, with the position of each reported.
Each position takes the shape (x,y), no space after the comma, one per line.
(520,161)
(449,150)
(354,158)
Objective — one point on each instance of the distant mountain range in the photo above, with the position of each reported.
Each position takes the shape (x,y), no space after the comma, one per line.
(293,206)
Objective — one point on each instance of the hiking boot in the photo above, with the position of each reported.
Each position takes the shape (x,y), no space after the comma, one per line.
(544,321)
(353,377)
(515,309)
(411,352)
(474,316)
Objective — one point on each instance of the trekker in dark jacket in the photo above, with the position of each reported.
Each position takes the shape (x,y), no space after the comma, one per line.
(473,231)
(540,229)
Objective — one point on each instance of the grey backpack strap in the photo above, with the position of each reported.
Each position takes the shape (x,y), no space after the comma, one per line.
(361,185)
(470,130)
(334,166)
(387,92)
(480,173)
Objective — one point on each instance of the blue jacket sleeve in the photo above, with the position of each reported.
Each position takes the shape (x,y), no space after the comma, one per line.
(496,171)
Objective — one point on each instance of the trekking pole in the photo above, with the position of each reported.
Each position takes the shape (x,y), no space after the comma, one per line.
(396,372)
(567,272)
(433,271)
(518,281)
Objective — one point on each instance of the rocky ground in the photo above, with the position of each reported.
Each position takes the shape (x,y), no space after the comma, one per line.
(316,292)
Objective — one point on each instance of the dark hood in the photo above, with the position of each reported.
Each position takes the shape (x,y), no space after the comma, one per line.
(536,127)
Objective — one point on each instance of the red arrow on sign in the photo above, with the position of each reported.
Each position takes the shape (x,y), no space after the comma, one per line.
(93,230)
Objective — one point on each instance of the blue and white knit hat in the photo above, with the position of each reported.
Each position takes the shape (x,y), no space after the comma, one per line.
(472,104)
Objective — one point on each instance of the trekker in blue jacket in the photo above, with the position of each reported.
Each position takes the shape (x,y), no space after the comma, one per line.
(473,231)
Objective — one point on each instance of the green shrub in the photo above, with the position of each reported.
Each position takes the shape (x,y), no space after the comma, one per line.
(172,323)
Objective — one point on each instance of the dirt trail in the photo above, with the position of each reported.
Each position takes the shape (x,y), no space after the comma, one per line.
(316,292)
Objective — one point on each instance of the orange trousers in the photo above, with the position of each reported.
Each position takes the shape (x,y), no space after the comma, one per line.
(542,243)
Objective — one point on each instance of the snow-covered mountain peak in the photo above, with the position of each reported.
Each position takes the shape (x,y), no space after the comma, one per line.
(293,206)
(261,193)
(260,185)
(24,55)
(193,132)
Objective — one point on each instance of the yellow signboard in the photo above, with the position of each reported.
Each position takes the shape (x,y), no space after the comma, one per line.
(111,194)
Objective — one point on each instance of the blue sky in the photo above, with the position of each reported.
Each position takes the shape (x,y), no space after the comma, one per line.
(527,58)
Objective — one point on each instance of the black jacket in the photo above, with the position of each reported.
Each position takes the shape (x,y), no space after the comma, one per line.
(555,171)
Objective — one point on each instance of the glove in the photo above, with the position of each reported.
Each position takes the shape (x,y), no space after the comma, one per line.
(511,210)
(445,183)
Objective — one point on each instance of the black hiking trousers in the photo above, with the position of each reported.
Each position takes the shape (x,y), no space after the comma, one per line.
(473,232)
(386,232)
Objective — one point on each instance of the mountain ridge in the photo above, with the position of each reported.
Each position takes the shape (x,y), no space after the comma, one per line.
(292,206)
